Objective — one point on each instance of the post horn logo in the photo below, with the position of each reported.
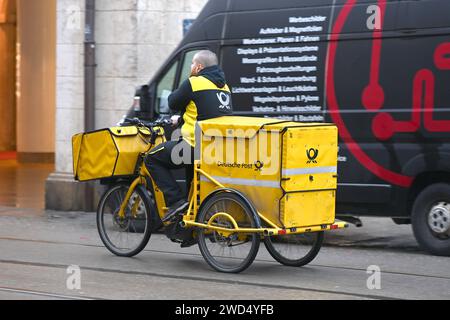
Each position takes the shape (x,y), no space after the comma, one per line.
(312,155)
(259,165)
(225,100)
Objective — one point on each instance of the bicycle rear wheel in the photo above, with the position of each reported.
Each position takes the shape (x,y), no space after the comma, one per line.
(295,250)
(127,236)
(228,252)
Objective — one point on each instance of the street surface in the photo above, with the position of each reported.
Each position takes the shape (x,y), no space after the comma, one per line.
(37,247)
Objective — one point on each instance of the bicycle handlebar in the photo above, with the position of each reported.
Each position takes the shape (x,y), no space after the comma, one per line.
(142,123)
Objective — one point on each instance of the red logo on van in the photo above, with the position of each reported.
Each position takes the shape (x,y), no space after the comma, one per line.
(384,126)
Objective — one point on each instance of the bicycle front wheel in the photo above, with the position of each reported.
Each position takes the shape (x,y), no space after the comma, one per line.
(295,250)
(228,252)
(124,236)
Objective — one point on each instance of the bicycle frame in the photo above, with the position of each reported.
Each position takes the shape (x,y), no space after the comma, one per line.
(190,218)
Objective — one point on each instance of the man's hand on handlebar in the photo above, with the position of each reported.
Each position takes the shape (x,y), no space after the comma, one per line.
(175,120)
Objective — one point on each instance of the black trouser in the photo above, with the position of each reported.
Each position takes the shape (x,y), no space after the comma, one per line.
(160,161)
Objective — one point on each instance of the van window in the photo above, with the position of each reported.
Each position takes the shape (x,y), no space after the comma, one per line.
(164,88)
(186,68)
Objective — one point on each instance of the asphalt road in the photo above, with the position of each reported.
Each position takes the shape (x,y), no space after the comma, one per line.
(35,252)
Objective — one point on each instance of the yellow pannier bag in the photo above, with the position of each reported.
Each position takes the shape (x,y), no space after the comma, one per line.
(288,170)
(109,152)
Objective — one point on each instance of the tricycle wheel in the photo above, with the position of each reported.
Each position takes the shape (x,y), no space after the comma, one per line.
(295,250)
(127,236)
(228,252)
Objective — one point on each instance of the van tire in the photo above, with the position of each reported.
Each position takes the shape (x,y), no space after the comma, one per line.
(429,240)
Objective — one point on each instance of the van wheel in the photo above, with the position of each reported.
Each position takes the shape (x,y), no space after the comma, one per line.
(431,219)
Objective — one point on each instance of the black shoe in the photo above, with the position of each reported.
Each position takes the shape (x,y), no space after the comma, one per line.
(189,243)
(177,209)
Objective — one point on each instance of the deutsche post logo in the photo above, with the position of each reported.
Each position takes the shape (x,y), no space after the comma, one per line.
(259,165)
(225,100)
(312,155)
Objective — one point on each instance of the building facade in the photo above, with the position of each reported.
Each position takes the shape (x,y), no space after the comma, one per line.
(133,38)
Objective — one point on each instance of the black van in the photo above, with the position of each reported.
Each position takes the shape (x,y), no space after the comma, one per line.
(379,69)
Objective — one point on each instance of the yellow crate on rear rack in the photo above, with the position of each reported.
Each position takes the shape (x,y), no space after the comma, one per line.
(288,170)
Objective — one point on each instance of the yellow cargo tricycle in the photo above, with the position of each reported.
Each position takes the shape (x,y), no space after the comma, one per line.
(255,180)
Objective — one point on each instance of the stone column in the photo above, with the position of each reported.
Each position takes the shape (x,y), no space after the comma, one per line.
(62,192)
(69,79)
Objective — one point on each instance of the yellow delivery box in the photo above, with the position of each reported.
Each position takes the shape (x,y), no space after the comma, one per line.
(287,169)
(109,152)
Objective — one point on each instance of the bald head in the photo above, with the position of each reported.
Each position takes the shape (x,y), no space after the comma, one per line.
(203,59)
(206,58)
